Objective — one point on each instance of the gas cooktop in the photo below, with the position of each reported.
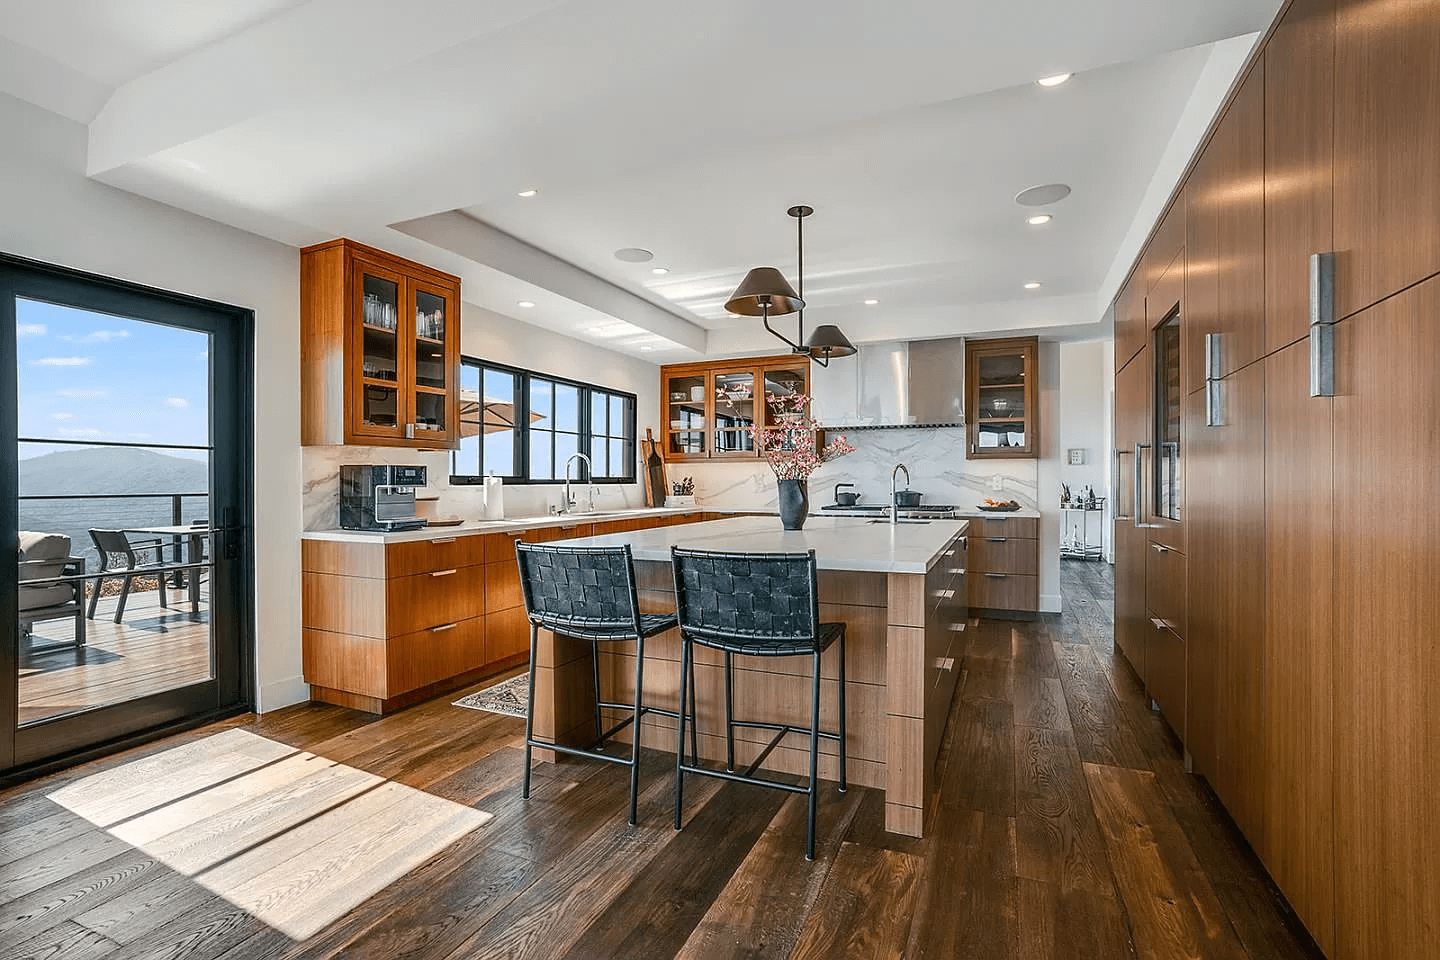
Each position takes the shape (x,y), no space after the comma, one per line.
(936,510)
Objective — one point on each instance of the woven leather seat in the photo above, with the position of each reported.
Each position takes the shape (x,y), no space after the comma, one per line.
(589,593)
(756,605)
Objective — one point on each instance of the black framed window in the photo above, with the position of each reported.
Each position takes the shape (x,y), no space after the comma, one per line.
(522,426)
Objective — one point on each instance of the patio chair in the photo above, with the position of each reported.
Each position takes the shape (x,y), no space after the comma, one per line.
(44,556)
(120,557)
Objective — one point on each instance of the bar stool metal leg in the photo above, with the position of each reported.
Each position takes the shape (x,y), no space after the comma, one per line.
(530,710)
(595,671)
(814,758)
(635,728)
(841,726)
(685,654)
(729,714)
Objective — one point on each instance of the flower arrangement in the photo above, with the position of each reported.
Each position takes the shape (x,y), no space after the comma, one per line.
(790,448)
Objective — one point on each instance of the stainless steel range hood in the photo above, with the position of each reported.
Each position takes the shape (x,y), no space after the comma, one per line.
(918,383)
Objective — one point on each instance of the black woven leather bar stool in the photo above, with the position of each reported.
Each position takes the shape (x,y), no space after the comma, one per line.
(754,605)
(589,593)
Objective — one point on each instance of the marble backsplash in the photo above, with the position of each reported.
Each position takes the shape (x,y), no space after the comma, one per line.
(935,458)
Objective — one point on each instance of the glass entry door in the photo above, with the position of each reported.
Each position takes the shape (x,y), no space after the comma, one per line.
(125,496)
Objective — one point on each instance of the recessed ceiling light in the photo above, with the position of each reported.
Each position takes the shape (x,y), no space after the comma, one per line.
(1054,81)
(525,304)
(659,271)
(1043,195)
(634,255)
(1038,219)
(527,193)
(1033,285)
(871,303)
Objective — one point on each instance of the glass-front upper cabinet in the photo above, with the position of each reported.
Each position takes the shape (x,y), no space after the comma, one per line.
(380,349)
(686,395)
(734,412)
(1001,393)
(783,387)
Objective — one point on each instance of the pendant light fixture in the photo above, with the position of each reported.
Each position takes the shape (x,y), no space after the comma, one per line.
(765,293)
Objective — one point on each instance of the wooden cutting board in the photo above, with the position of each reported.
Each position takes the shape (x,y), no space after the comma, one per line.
(654,470)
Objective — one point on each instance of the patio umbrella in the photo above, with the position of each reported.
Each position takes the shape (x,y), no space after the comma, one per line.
(494,415)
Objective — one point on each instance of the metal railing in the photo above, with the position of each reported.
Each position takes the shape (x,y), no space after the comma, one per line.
(177,518)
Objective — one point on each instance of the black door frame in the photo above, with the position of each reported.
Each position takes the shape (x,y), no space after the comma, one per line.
(231,429)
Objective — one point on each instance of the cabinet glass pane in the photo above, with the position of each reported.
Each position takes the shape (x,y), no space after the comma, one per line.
(734,412)
(380,406)
(779,385)
(429,340)
(1167,418)
(1001,387)
(429,412)
(379,314)
(686,406)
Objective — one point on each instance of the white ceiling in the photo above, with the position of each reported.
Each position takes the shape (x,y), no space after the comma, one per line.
(683,128)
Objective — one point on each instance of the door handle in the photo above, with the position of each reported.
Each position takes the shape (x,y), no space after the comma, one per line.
(1118,454)
(1322,324)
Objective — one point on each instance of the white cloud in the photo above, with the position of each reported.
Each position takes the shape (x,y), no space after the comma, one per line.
(61,361)
(75,393)
(78,432)
(177,402)
(29,329)
(62,416)
(99,336)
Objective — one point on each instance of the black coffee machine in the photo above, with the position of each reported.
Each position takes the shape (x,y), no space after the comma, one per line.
(379,497)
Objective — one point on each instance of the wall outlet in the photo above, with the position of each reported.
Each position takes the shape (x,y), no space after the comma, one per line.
(1077,457)
(997,483)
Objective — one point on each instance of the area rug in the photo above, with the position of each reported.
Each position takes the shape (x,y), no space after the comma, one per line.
(510,697)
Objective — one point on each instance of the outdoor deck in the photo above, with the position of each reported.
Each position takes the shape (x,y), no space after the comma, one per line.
(154,649)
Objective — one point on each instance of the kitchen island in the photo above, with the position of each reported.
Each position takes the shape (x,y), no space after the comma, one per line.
(901,591)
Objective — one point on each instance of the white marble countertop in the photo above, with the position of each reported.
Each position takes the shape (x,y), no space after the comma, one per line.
(472,528)
(840,543)
(967,512)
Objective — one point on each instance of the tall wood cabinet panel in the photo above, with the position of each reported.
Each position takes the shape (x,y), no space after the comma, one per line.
(1166,244)
(1298,846)
(1132,411)
(1130,333)
(1202,577)
(1226,502)
(1225,279)
(1387,653)
(1387,151)
(1299,163)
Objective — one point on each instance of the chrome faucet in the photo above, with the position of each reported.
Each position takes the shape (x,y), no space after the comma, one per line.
(894,511)
(567,503)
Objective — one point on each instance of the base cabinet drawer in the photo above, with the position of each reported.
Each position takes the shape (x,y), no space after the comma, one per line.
(435,654)
(1000,554)
(1165,588)
(1003,591)
(1165,667)
(1024,528)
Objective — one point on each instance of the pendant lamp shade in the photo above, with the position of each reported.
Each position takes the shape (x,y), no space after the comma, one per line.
(761,286)
(827,342)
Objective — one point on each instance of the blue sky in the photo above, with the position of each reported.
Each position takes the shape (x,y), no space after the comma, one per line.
(90,376)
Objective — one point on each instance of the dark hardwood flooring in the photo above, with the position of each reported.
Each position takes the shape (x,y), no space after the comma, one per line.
(1066,828)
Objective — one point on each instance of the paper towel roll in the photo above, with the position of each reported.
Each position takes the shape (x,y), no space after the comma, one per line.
(494,498)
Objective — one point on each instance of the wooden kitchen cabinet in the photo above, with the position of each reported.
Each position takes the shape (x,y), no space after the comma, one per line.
(1002,399)
(379,349)
(707,409)
(1225,249)
(1387,151)
(1132,432)
(1129,321)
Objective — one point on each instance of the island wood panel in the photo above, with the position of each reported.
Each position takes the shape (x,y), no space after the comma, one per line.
(1299,162)
(1299,727)
(1387,730)
(1387,153)
(1132,403)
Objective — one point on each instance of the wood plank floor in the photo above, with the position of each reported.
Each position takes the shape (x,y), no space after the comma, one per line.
(1066,828)
(151,650)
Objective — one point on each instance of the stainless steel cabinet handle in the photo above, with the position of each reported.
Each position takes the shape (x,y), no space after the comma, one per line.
(444,540)
(956,571)
(1159,548)
(1139,484)
(1159,624)
(998,539)
(1118,454)
(998,576)
(945,663)
(956,627)
(409,431)
(444,573)
(443,627)
(944,594)
(1322,324)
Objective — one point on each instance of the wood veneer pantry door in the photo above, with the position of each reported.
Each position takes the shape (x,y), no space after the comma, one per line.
(122,408)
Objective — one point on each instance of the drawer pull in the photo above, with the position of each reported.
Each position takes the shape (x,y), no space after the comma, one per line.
(444,573)
(444,540)
(944,594)
(443,627)
(956,627)
(998,576)
(945,663)
(998,539)
(949,553)
(1159,624)
(956,571)
(1159,548)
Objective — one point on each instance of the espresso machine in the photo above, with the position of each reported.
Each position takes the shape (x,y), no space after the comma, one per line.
(374,497)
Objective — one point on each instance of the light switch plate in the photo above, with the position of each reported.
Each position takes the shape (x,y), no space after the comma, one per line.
(1077,457)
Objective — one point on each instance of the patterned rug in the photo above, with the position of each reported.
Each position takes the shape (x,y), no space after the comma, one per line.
(509,697)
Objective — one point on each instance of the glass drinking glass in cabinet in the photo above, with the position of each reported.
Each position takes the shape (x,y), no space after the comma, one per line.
(380,305)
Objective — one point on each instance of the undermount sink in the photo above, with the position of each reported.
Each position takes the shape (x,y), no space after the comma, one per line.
(901,520)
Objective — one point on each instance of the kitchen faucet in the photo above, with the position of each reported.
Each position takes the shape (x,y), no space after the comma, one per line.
(567,502)
(894,512)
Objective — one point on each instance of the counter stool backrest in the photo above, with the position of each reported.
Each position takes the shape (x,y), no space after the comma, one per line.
(747,596)
(583,589)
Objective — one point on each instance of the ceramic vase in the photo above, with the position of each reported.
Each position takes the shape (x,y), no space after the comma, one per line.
(794,503)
